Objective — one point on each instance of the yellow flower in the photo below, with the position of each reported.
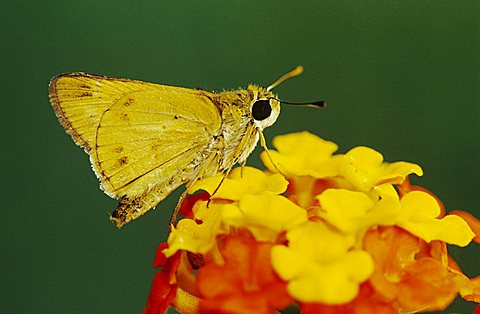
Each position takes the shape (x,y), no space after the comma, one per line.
(241,182)
(303,154)
(352,211)
(321,265)
(196,235)
(304,158)
(419,212)
(264,215)
(416,212)
(254,205)
(364,168)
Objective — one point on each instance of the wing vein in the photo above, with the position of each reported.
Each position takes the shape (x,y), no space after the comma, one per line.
(156,167)
(160,113)
(129,142)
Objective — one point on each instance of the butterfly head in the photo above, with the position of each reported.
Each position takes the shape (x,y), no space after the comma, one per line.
(264,106)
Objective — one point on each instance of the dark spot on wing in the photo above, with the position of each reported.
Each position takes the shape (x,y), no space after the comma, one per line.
(86,94)
(124,117)
(175,117)
(128,102)
(85,86)
(104,175)
(123,161)
(118,149)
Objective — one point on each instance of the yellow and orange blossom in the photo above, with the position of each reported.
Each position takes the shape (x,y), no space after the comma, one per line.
(339,233)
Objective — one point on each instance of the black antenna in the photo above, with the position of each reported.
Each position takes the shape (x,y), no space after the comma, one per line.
(315,104)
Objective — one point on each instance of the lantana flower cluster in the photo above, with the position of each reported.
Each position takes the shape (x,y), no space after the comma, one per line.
(319,231)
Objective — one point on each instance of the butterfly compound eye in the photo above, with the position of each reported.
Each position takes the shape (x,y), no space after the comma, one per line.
(261,109)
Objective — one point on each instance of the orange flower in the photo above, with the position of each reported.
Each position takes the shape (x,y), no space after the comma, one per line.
(245,283)
(164,286)
(411,283)
(367,302)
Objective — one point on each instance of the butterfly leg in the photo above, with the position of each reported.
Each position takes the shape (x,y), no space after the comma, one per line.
(263,143)
(213,160)
(219,185)
(244,163)
(176,211)
(174,217)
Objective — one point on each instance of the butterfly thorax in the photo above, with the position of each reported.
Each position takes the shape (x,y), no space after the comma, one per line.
(241,122)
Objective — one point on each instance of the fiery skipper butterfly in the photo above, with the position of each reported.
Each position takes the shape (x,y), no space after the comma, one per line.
(145,139)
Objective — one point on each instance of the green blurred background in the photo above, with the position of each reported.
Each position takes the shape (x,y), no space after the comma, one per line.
(402,77)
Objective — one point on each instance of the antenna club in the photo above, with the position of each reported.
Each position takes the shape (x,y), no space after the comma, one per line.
(298,70)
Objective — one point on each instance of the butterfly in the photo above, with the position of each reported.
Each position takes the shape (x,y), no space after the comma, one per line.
(145,140)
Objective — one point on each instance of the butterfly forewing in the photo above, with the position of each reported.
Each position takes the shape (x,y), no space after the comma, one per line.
(139,135)
(148,134)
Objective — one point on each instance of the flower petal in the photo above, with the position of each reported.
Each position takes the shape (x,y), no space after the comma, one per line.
(245,283)
(364,168)
(196,235)
(264,215)
(472,221)
(303,154)
(426,284)
(241,182)
(365,303)
(319,265)
(471,291)
(351,211)
(402,278)
(164,286)
(419,212)
(343,208)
